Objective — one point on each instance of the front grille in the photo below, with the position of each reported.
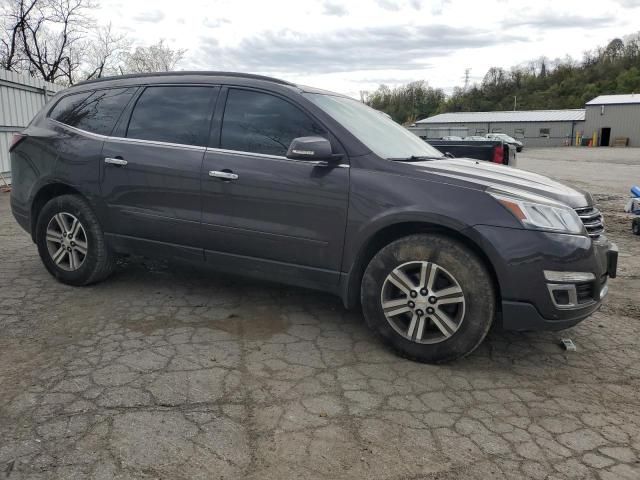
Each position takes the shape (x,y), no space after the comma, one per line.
(592,219)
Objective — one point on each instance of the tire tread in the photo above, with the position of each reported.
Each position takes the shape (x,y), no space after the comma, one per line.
(104,261)
(395,341)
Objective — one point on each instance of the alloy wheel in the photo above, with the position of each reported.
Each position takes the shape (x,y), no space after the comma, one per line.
(67,241)
(423,302)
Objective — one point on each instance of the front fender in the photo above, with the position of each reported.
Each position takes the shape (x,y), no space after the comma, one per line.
(381,199)
(395,217)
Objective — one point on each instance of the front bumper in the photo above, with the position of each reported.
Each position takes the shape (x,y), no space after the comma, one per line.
(520,257)
(523,317)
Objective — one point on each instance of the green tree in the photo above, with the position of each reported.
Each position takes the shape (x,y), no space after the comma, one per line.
(539,84)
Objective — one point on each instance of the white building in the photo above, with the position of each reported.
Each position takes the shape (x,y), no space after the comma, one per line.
(611,119)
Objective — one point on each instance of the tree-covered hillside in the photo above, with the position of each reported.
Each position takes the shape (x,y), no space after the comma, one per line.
(540,84)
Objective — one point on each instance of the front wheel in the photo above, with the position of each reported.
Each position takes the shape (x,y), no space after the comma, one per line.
(429,297)
(71,243)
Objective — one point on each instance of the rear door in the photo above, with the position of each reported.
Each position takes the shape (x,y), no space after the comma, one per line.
(151,169)
(81,122)
(276,216)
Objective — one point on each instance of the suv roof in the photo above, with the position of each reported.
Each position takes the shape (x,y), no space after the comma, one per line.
(158,77)
(250,76)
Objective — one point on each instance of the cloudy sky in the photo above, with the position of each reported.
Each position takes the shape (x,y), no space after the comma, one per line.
(354,45)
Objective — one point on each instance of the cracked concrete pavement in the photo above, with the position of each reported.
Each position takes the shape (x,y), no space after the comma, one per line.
(169,372)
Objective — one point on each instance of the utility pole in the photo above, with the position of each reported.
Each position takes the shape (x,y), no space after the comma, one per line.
(413,105)
(467,75)
(515,102)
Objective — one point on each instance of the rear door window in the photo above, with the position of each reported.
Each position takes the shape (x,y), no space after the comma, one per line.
(257,122)
(173,114)
(95,112)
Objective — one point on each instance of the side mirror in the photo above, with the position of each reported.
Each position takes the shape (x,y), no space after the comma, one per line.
(310,148)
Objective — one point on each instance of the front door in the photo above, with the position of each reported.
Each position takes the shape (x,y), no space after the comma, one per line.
(150,175)
(263,212)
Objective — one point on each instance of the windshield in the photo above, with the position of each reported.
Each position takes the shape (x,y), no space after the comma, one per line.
(382,135)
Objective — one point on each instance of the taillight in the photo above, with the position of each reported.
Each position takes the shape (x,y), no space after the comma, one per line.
(498,154)
(15,140)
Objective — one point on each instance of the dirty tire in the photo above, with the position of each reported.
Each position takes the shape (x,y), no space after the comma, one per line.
(469,271)
(99,261)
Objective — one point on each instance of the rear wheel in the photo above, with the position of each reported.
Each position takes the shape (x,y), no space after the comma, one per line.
(71,242)
(429,297)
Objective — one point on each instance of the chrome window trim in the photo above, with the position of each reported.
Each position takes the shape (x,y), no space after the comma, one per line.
(128,140)
(246,154)
(242,153)
(86,133)
(157,143)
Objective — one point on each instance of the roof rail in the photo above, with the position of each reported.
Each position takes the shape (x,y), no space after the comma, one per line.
(185,73)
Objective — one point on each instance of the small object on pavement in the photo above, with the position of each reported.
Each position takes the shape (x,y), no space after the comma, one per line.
(633,205)
(568,345)
(7,187)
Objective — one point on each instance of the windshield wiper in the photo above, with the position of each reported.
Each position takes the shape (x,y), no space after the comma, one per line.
(415,158)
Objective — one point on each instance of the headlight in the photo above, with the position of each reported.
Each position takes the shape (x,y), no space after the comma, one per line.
(539,213)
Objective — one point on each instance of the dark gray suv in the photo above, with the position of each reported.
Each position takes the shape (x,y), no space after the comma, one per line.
(256,176)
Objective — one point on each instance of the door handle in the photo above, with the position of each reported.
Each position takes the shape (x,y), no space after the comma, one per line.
(115,161)
(223,175)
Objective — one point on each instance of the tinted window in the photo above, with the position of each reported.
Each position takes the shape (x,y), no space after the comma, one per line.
(68,107)
(95,112)
(173,114)
(261,123)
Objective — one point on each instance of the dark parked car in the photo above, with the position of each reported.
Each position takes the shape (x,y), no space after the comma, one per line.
(257,176)
(495,151)
(517,144)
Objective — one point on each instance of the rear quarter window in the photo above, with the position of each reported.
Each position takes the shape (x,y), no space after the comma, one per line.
(95,112)
(65,110)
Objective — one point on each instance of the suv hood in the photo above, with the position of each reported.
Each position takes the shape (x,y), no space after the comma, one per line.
(486,174)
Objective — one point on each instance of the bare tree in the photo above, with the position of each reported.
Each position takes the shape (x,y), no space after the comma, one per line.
(543,66)
(154,58)
(14,16)
(105,53)
(494,78)
(42,36)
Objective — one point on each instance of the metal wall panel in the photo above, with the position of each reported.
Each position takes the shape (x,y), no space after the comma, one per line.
(569,115)
(5,138)
(623,120)
(21,97)
(560,133)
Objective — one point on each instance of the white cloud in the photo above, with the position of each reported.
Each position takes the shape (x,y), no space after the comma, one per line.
(396,47)
(351,45)
(152,16)
(389,5)
(334,8)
